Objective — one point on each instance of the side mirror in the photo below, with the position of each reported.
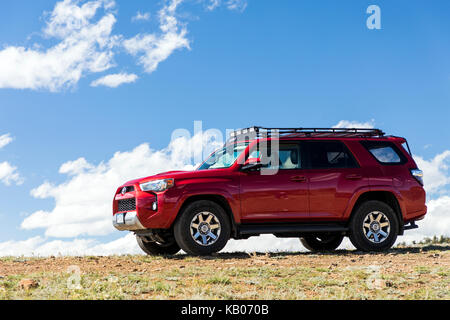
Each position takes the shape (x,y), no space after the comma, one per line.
(252,164)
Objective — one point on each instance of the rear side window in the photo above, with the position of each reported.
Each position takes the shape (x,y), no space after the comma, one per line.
(329,154)
(384,152)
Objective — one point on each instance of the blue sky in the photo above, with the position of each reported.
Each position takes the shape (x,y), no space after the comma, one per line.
(284,63)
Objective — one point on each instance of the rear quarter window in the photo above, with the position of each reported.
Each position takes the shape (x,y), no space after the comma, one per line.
(384,152)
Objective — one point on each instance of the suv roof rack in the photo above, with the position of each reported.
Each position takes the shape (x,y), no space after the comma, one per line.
(262,132)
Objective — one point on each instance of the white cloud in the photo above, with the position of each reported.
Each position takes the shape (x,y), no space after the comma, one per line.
(141,16)
(9,174)
(354,124)
(235,5)
(83,202)
(69,17)
(42,247)
(436,172)
(238,5)
(154,48)
(114,80)
(75,167)
(85,47)
(5,140)
(212,4)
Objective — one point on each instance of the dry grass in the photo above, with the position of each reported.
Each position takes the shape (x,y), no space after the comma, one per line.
(419,272)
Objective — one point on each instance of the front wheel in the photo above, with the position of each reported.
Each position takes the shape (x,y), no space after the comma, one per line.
(155,248)
(374,226)
(327,242)
(202,228)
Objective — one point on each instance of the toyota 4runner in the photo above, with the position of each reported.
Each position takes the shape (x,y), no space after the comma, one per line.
(318,185)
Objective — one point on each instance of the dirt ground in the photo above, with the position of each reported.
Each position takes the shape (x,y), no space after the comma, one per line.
(421,272)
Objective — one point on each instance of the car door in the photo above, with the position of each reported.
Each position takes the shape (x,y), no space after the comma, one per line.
(334,176)
(282,196)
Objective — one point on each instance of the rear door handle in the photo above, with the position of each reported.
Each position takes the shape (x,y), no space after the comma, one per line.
(353,177)
(298,179)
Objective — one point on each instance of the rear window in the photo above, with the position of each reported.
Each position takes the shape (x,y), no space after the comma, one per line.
(384,152)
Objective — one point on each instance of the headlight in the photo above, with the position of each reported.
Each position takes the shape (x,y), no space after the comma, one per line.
(157,185)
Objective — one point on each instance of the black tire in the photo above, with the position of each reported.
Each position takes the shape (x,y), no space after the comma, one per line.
(325,242)
(184,233)
(359,225)
(154,248)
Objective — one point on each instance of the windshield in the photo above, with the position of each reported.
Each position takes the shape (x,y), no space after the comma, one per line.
(224,158)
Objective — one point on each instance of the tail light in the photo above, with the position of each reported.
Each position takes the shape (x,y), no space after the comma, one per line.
(418,175)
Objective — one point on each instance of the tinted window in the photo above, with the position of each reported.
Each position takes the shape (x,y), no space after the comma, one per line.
(384,152)
(324,155)
(287,157)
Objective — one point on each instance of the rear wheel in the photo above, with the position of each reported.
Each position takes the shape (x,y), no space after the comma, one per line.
(326,242)
(156,248)
(202,228)
(374,226)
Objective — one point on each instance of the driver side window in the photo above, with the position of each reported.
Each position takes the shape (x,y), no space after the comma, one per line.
(287,157)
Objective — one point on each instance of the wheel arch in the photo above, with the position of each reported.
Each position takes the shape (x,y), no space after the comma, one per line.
(216,198)
(387,197)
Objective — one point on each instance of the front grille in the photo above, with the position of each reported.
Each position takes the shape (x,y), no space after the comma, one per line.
(126,205)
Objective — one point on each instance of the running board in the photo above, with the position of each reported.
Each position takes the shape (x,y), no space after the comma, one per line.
(247,229)
(411,225)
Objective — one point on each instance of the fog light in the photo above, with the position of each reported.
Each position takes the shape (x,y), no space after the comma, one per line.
(155,206)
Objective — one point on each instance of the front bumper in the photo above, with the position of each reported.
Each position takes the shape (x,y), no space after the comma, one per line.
(145,210)
(127,221)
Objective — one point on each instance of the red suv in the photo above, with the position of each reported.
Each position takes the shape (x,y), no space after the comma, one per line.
(316,184)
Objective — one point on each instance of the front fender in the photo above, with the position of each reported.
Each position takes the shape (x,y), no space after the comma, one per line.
(227,188)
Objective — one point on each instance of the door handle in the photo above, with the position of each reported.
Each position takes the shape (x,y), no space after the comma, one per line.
(353,177)
(298,179)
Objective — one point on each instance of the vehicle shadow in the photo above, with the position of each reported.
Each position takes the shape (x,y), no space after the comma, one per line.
(340,252)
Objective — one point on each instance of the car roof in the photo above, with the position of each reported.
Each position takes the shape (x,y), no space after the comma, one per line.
(251,134)
(323,138)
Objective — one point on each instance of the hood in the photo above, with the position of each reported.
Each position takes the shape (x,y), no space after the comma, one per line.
(211,173)
(162,175)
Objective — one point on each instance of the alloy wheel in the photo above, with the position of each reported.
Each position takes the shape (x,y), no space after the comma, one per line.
(376,227)
(205,228)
